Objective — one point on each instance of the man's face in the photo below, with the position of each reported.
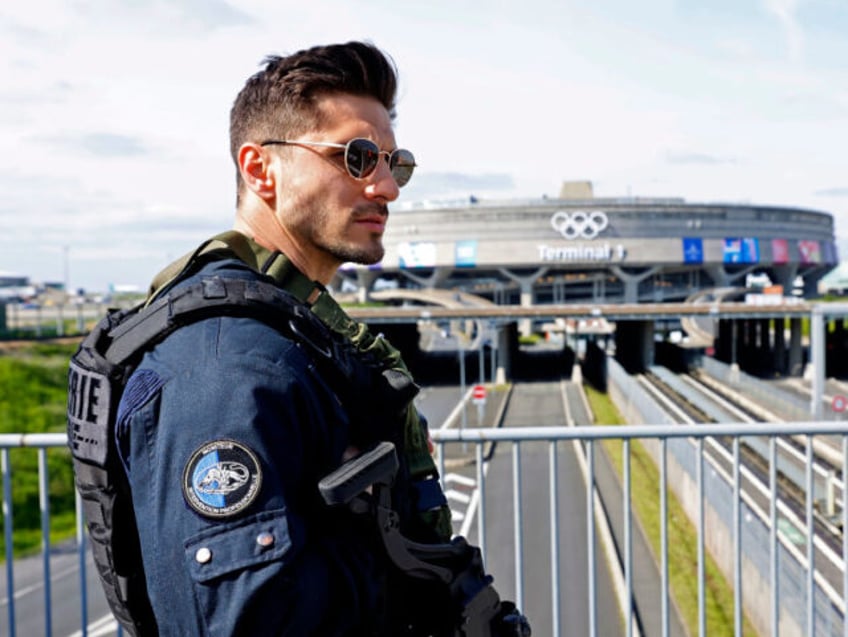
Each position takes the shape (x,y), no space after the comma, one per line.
(329,217)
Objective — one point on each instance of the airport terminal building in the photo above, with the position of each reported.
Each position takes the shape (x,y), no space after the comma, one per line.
(578,248)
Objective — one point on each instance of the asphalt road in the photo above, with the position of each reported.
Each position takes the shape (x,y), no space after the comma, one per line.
(65,597)
(539,404)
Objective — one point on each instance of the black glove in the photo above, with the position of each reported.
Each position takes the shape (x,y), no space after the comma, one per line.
(509,622)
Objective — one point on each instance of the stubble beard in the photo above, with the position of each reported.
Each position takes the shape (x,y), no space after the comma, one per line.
(349,252)
(363,255)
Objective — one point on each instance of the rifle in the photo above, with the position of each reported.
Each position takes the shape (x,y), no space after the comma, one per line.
(456,568)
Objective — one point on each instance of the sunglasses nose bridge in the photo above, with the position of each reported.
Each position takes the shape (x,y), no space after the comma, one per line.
(380,165)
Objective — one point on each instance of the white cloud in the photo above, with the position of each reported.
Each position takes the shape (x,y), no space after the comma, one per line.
(786,11)
(114,115)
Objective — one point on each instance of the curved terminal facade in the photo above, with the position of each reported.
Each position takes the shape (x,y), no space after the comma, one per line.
(599,250)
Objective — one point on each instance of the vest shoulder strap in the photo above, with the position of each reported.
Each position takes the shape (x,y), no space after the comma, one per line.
(212,296)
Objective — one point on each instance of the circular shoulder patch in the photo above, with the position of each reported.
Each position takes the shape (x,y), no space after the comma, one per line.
(221,479)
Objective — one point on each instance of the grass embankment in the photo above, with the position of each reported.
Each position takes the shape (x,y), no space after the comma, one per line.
(33,394)
(682,534)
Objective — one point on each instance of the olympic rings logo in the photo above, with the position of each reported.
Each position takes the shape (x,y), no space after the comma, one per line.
(579,224)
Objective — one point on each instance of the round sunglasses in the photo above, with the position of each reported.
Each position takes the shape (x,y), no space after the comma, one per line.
(361,157)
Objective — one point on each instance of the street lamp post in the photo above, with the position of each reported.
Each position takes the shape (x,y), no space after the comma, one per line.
(67,270)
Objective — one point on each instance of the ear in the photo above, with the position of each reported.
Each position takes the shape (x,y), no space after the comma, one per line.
(254,166)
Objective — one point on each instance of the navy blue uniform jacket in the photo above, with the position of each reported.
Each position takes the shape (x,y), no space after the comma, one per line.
(225,429)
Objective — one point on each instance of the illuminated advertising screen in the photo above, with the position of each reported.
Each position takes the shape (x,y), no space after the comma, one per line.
(809,251)
(741,250)
(693,250)
(465,255)
(417,255)
(779,251)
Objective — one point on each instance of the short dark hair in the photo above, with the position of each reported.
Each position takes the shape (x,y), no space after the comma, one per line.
(279,101)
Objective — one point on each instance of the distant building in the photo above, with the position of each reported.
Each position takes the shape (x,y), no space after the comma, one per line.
(15,287)
(9,280)
(579,248)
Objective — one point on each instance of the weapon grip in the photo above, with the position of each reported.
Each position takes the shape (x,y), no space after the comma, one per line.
(376,466)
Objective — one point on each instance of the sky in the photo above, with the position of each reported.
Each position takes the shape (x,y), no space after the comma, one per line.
(114,114)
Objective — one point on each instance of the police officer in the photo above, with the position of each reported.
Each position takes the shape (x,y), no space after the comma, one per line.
(227,426)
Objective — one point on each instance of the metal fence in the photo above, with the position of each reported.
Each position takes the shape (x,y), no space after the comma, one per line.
(781,549)
(818,617)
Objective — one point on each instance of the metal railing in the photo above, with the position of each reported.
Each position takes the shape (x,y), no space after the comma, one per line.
(816,607)
(40,442)
(681,451)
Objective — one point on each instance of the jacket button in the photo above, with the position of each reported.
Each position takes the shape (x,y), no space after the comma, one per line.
(265,539)
(203,555)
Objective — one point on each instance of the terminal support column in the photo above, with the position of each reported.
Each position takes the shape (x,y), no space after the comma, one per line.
(632,281)
(784,275)
(507,347)
(365,280)
(526,283)
(434,280)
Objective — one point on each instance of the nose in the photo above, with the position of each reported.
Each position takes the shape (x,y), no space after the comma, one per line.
(381,183)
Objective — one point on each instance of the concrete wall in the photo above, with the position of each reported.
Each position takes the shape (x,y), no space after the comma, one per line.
(718,534)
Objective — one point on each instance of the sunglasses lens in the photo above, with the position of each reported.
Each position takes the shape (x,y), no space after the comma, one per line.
(361,157)
(402,163)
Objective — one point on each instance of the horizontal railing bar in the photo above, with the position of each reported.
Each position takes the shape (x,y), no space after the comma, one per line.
(579,432)
(591,432)
(8,441)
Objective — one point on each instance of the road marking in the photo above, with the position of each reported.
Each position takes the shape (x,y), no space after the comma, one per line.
(461,479)
(106,625)
(26,590)
(452,494)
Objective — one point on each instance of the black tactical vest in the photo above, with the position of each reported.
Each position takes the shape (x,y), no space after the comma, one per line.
(354,363)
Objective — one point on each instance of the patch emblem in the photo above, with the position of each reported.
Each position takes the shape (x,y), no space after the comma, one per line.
(221,479)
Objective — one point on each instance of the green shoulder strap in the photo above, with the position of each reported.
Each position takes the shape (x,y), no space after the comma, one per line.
(277,266)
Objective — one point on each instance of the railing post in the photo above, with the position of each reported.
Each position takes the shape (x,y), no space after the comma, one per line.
(554,526)
(81,543)
(844,528)
(664,532)
(702,570)
(481,488)
(774,550)
(590,536)
(811,534)
(44,505)
(628,540)
(737,543)
(6,468)
(517,524)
